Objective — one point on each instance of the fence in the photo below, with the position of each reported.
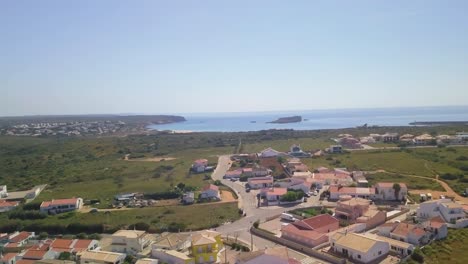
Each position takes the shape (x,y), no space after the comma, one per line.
(298,247)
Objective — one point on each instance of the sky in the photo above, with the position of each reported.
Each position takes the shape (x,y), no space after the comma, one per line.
(150,57)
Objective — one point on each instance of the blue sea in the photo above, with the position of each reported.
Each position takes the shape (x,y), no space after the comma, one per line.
(315,119)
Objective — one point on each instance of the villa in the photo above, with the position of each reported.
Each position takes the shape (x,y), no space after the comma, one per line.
(312,231)
(61,205)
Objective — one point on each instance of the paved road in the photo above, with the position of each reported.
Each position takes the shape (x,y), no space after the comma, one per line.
(248,202)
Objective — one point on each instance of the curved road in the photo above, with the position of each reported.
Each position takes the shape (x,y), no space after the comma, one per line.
(248,202)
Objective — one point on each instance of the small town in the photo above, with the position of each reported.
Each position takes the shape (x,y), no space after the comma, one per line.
(297,214)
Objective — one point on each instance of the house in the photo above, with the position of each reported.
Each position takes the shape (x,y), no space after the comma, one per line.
(407,138)
(61,205)
(211,192)
(73,245)
(188,198)
(173,241)
(6,206)
(147,261)
(462,136)
(206,246)
(3,191)
(296,167)
(397,247)
(451,212)
(234,174)
(358,210)
(269,152)
(390,137)
(385,191)
(172,256)
(34,254)
(409,233)
(9,258)
(304,186)
(437,227)
(296,151)
(100,257)
(129,242)
(312,231)
(334,177)
(361,192)
(199,165)
(350,143)
(359,247)
(273,195)
(260,171)
(274,255)
(335,149)
(447,139)
(248,172)
(20,239)
(424,139)
(260,182)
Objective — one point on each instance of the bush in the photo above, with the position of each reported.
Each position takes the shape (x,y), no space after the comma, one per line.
(140,226)
(43,235)
(65,256)
(26,215)
(256,224)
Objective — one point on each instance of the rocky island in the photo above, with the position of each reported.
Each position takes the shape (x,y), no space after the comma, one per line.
(285,120)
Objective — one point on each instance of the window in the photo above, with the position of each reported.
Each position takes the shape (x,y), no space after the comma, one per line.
(359,256)
(380,252)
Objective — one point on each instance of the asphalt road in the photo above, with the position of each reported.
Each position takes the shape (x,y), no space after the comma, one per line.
(248,202)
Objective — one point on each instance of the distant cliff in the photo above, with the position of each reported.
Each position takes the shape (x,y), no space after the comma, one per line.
(285,120)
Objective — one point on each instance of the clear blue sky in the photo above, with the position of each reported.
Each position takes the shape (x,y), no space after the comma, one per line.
(87,56)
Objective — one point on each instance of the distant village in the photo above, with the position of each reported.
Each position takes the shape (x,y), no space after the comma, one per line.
(67,129)
(330,214)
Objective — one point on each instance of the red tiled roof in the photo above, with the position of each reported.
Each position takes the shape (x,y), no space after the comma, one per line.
(12,245)
(40,247)
(34,254)
(60,250)
(26,261)
(437,222)
(276,191)
(59,202)
(403,229)
(61,243)
(20,237)
(4,203)
(319,221)
(7,257)
(210,187)
(82,243)
(309,234)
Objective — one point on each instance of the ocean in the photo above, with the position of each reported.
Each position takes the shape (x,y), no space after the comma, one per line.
(315,119)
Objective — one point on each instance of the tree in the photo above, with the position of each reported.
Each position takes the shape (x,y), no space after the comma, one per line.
(43,235)
(396,188)
(217,183)
(65,256)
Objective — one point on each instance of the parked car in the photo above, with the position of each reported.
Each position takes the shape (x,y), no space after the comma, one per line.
(288,217)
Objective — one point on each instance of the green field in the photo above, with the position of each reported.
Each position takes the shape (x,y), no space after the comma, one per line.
(450,250)
(413,183)
(158,219)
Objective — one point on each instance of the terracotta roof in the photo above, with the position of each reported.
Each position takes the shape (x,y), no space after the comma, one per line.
(62,243)
(201,161)
(404,229)
(276,191)
(319,221)
(25,261)
(12,245)
(436,222)
(261,180)
(7,257)
(34,254)
(59,202)
(353,190)
(210,187)
(309,234)
(20,237)
(390,184)
(4,203)
(82,243)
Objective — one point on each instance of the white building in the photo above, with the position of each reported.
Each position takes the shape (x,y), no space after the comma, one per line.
(210,191)
(359,247)
(385,191)
(3,191)
(200,165)
(100,257)
(172,256)
(260,182)
(269,152)
(6,206)
(450,211)
(61,205)
(129,242)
